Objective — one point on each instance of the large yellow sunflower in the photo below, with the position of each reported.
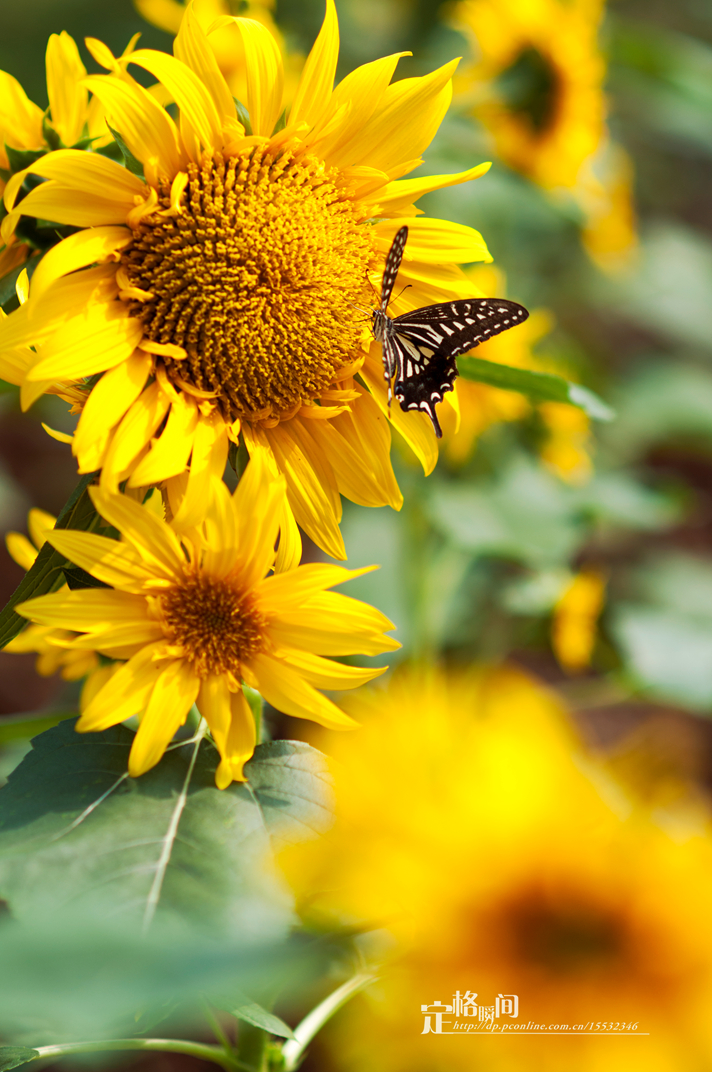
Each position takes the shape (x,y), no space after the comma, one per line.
(197,616)
(537,85)
(509,864)
(219,294)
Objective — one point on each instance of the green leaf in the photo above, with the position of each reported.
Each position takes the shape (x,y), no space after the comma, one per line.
(254,1014)
(167,843)
(539,386)
(243,115)
(23,727)
(79,578)
(132,164)
(46,573)
(19,159)
(14,1056)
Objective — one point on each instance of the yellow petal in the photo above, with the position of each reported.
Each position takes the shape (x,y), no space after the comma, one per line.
(67,96)
(311,485)
(108,337)
(403,125)
(258,504)
(95,682)
(65,204)
(368,431)
(20,549)
(58,305)
(398,195)
(356,98)
(287,591)
(197,107)
(355,479)
(88,174)
(265,75)
(210,446)
(166,14)
(289,551)
(173,695)
(433,241)
(152,539)
(191,47)
(332,624)
(39,522)
(287,690)
(108,560)
(20,119)
(124,695)
(133,435)
(120,641)
(148,130)
(86,610)
(169,453)
(232,725)
(61,437)
(107,403)
(317,82)
(415,428)
(325,674)
(77,251)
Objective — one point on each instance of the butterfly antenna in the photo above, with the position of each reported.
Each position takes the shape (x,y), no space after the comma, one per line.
(402,292)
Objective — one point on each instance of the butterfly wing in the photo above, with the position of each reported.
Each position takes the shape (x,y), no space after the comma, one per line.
(393,263)
(428,340)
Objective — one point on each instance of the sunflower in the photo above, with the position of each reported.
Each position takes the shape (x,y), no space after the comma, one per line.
(53,656)
(197,616)
(537,85)
(216,296)
(486,882)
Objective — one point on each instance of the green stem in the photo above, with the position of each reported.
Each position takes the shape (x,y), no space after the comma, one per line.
(313,1022)
(202,1050)
(252,1047)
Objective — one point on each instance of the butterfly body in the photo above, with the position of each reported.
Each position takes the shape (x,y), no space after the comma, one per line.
(420,347)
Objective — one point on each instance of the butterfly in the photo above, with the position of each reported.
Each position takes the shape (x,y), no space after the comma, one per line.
(420,347)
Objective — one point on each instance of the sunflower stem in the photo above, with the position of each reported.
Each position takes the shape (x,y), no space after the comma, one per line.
(202,1050)
(304,1032)
(252,1048)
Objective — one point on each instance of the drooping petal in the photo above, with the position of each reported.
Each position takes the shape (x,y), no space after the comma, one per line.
(172,697)
(258,504)
(169,453)
(232,725)
(366,428)
(123,695)
(265,75)
(133,435)
(20,549)
(210,446)
(106,405)
(415,428)
(20,119)
(315,87)
(286,689)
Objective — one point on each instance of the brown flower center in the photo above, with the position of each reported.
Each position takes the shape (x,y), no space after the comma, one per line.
(217,627)
(253,278)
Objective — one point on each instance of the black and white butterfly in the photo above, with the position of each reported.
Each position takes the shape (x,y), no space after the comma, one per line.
(419,348)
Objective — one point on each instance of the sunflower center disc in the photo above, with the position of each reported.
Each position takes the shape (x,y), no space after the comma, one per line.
(254,279)
(216,626)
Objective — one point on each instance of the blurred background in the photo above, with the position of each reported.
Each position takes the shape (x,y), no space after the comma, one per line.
(579,552)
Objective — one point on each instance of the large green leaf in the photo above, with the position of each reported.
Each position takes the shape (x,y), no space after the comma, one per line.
(539,386)
(14,1056)
(46,575)
(24,727)
(76,831)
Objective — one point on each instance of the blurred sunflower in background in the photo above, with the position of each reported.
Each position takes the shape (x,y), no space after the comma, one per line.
(537,85)
(216,292)
(510,864)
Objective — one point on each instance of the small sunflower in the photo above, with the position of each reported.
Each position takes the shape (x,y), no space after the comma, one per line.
(197,616)
(537,85)
(217,295)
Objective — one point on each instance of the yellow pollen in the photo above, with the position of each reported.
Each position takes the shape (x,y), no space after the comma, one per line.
(254,278)
(217,626)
